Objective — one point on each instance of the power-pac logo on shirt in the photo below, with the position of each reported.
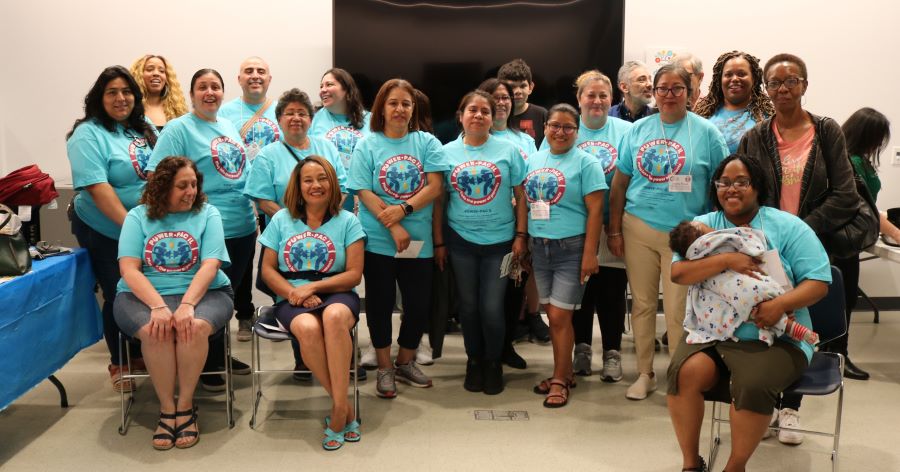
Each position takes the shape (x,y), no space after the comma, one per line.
(139,153)
(309,251)
(604,152)
(402,176)
(344,139)
(660,158)
(547,184)
(228,157)
(264,131)
(171,251)
(476,182)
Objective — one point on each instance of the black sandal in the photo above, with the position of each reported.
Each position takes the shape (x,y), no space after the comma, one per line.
(180,429)
(168,435)
(700,468)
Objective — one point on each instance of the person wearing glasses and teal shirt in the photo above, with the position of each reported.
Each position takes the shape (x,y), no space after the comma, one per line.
(664,170)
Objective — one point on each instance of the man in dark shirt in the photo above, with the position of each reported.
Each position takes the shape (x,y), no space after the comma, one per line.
(636,85)
(527,117)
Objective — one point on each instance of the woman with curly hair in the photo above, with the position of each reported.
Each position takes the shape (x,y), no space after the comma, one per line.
(173,295)
(735,102)
(108,151)
(163,98)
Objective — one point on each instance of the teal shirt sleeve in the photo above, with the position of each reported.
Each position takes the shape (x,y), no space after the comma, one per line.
(131,239)
(170,143)
(271,236)
(434,160)
(544,144)
(517,168)
(592,176)
(260,183)
(86,158)
(354,231)
(805,253)
(361,168)
(335,159)
(625,162)
(212,243)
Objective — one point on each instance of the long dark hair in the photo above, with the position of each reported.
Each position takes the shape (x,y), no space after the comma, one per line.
(757,178)
(355,109)
(867,132)
(93,105)
(490,86)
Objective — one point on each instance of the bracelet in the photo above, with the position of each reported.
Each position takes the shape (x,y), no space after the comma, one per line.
(158,307)
(521,235)
(435,246)
(193,305)
(613,235)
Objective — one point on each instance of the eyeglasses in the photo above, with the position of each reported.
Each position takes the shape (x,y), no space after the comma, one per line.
(502,98)
(789,83)
(566,129)
(676,91)
(742,183)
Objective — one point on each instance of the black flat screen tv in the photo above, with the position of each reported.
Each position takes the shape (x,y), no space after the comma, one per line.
(447,47)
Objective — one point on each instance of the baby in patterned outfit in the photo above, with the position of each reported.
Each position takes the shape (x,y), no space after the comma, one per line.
(719,304)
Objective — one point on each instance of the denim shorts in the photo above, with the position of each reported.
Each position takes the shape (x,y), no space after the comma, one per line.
(557,270)
(215,308)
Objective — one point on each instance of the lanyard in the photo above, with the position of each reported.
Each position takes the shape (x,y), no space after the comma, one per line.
(690,143)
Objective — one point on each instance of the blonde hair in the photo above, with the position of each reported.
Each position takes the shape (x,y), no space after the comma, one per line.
(587,77)
(173,101)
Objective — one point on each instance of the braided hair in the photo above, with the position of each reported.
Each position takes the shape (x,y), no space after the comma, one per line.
(760,106)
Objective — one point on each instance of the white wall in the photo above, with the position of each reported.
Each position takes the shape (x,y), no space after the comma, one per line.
(53,51)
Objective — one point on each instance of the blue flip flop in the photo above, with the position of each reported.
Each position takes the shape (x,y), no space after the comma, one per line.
(351,429)
(333,440)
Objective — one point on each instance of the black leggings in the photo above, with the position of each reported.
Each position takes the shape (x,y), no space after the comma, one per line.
(605,294)
(413,276)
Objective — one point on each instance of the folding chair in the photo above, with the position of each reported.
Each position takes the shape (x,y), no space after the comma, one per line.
(128,397)
(825,374)
(265,317)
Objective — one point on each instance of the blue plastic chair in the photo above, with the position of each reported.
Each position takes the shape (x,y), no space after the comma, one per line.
(823,376)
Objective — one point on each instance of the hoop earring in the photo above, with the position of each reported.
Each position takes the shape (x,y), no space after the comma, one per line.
(165,91)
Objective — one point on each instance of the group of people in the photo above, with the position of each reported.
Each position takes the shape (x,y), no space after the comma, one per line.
(573,204)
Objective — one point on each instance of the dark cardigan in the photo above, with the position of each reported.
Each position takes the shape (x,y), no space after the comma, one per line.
(828,197)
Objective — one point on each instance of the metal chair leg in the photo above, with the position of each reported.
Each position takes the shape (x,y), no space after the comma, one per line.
(871,304)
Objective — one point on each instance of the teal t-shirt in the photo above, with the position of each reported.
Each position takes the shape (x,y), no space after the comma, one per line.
(604,144)
(799,249)
(299,248)
(172,248)
(653,151)
(337,129)
(394,169)
(273,166)
(263,132)
(480,184)
(118,158)
(562,181)
(523,142)
(217,150)
(732,124)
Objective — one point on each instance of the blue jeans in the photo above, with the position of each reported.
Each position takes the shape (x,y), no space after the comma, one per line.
(481,294)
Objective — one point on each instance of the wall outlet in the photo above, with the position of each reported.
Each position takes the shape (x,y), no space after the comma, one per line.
(895,158)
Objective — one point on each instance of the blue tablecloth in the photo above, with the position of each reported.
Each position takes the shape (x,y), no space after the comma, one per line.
(46,317)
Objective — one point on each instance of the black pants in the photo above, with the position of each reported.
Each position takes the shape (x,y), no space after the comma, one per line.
(413,276)
(240,251)
(850,270)
(605,294)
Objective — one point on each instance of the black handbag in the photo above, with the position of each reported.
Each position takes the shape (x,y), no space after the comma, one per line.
(860,232)
(14,256)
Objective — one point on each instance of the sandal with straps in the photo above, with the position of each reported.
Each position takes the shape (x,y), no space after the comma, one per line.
(180,430)
(700,468)
(333,440)
(169,434)
(351,429)
(563,394)
(543,387)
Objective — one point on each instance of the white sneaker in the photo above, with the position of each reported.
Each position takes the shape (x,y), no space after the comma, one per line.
(581,359)
(612,366)
(773,423)
(641,387)
(789,418)
(423,353)
(368,359)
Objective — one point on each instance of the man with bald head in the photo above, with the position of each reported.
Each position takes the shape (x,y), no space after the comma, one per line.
(253,114)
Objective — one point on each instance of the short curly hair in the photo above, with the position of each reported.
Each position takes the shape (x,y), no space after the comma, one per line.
(160,183)
(681,238)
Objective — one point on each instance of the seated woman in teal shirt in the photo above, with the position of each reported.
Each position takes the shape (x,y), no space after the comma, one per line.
(173,295)
(746,373)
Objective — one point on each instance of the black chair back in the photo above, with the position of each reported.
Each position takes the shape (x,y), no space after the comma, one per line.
(827,315)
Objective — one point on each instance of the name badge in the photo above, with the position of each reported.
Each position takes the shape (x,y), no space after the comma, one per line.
(680,183)
(540,210)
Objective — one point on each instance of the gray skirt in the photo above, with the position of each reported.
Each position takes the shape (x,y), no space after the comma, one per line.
(216,308)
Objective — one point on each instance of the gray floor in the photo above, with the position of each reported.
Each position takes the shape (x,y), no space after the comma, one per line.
(435,428)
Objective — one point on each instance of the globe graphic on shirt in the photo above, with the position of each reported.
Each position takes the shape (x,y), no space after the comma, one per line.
(658,162)
(605,153)
(659,159)
(228,157)
(476,182)
(139,153)
(401,176)
(344,139)
(546,184)
(171,251)
(263,132)
(309,251)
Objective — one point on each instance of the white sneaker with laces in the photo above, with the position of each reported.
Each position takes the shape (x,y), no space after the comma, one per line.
(423,353)
(789,418)
(612,366)
(643,386)
(368,359)
(581,359)
(773,423)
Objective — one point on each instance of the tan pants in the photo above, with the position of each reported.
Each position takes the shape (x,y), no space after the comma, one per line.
(647,257)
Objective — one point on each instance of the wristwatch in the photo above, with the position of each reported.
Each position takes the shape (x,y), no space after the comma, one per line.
(407,208)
